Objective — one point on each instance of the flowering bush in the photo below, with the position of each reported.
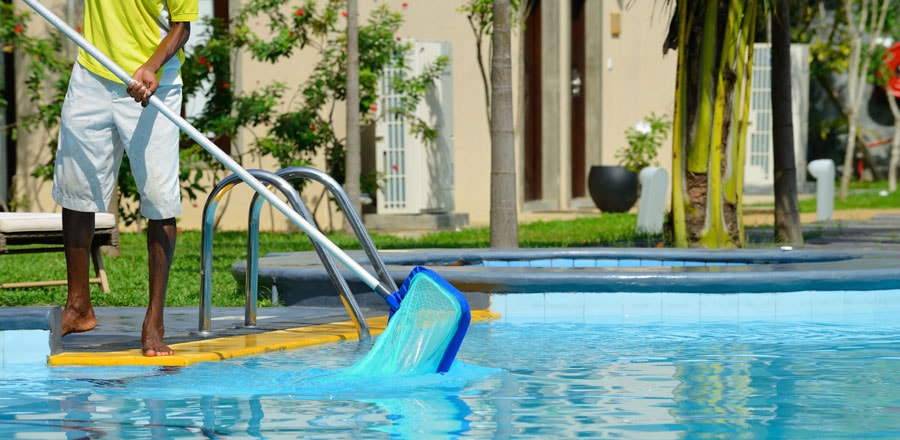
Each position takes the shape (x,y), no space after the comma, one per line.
(305,126)
(290,122)
(644,140)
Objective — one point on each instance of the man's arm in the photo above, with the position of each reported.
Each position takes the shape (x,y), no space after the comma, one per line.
(145,82)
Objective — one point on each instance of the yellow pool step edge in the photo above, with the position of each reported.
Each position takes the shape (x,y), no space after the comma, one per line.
(218,349)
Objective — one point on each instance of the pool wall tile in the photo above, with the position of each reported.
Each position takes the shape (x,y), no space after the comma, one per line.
(568,307)
(719,307)
(584,262)
(607,263)
(887,307)
(756,306)
(499,304)
(562,262)
(651,263)
(526,305)
(25,346)
(604,307)
(860,306)
(540,263)
(680,307)
(828,305)
(793,306)
(629,263)
(642,307)
(519,263)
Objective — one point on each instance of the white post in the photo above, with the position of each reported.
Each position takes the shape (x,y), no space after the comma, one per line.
(823,171)
(652,206)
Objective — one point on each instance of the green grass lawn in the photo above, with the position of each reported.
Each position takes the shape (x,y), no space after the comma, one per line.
(128,271)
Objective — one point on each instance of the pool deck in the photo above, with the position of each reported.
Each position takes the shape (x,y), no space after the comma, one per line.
(116,340)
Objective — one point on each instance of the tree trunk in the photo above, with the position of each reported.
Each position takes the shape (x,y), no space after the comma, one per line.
(895,144)
(353,166)
(858,71)
(715,49)
(787,213)
(504,222)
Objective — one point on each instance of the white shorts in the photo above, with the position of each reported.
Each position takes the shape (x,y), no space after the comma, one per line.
(99,122)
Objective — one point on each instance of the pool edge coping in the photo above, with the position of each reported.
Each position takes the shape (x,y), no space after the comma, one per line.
(218,349)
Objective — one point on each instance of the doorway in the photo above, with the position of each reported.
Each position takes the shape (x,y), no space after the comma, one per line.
(577,153)
(532,80)
(535,155)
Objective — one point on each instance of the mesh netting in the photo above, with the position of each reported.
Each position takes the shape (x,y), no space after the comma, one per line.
(418,334)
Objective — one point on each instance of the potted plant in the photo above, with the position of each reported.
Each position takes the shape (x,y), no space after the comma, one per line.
(615,188)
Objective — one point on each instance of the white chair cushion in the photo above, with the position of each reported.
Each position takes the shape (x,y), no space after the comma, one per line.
(46,221)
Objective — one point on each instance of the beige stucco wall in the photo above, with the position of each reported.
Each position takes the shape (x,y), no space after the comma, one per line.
(634,79)
(31,150)
(637,79)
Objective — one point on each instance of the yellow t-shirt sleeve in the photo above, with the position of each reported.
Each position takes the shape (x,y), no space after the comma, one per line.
(181,11)
(129,35)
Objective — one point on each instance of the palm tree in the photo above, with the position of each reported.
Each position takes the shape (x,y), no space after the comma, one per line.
(504,220)
(714,40)
(787,212)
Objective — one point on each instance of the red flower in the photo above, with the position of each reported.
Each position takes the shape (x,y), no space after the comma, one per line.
(299,12)
(404,4)
(398,38)
(201,60)
(78,28)
(19,29)
(291,34)
(395,167)
(225,85)
(344,13)
(373,108)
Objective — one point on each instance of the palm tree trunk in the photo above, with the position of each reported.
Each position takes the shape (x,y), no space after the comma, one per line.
(787,213)
(504,228)
(715,46)
(353,160)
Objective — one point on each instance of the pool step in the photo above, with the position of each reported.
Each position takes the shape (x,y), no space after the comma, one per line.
(28,335)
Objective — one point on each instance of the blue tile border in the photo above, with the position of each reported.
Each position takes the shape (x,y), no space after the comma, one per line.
(29,334)
(808,306)
(301,277)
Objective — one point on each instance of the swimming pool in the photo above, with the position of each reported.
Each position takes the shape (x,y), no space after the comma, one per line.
(805,376)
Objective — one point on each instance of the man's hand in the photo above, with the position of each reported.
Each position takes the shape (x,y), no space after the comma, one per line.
(143,86)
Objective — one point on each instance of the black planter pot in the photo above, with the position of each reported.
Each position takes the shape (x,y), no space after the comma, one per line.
(613,188)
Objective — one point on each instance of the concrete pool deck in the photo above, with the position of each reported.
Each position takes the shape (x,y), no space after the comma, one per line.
(870,245)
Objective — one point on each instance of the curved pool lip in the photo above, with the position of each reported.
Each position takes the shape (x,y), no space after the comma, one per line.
(753,271)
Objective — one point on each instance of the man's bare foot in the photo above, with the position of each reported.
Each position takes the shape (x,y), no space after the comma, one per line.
(77,322)
(152,342)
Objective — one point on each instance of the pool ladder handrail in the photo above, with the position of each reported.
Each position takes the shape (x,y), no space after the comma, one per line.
(279,180)
(206,249)
(340,283)
(343,201)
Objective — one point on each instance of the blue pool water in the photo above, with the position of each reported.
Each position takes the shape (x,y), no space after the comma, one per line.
(515,379)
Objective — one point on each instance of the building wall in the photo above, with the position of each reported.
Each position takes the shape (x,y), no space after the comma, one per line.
(627,78)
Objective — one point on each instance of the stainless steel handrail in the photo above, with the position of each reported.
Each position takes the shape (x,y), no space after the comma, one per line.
(251,284)
(302,172)
(212,201)
(350,213)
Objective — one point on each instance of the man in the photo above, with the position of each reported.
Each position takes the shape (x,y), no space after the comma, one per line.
(100,120)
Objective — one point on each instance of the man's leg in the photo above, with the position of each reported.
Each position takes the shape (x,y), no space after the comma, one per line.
(78,233)
(160,248)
